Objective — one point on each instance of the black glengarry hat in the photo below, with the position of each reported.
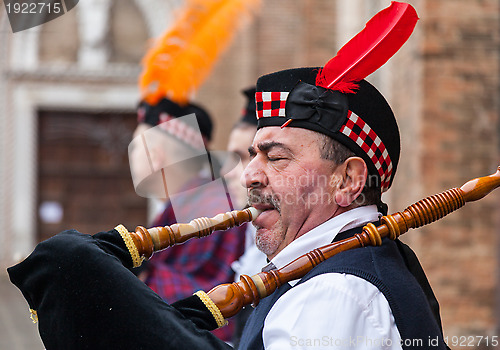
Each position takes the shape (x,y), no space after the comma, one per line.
(248,112)
(167,111)
(362,121)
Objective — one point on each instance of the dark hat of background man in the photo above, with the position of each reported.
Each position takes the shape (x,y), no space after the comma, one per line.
(166,110)
(362,121)
(248,114)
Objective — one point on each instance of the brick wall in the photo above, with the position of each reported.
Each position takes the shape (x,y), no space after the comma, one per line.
(459,141)
(285,34)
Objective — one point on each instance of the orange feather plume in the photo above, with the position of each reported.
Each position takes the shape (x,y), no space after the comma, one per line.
(182,59)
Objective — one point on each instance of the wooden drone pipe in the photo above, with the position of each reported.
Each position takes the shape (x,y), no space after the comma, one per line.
(230,298)
(155,239)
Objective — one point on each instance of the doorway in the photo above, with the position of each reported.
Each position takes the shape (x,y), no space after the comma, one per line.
(83,176)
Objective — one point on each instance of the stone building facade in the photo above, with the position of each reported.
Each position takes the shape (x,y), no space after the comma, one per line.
(444,86)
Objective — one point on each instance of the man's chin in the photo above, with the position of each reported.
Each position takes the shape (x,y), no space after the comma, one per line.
(266,242)
(269,239)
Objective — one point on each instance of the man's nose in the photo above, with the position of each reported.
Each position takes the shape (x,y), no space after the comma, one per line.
(254,175)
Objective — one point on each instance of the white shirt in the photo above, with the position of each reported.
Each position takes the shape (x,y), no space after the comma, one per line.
(252,260)
(333,310)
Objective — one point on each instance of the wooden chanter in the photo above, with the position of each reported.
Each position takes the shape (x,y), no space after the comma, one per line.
(230,298)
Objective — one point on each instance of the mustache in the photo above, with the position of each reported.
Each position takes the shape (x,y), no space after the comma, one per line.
(255,196)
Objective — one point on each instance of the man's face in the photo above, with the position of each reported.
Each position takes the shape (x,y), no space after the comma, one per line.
(291,183)
(159,162)
(239,140)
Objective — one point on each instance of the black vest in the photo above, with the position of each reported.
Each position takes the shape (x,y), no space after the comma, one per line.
(385,268)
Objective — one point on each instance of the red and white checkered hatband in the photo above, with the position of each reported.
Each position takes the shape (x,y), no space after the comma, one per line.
(270,104)
(361,133)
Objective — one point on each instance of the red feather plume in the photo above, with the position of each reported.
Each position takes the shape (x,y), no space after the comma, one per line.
(180,60)
(381,38)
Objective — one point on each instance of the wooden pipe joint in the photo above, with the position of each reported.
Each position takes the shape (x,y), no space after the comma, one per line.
(392,226)
(256,288)
(143,242)
(373,234)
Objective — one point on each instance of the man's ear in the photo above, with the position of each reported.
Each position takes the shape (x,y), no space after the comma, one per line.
(353,173)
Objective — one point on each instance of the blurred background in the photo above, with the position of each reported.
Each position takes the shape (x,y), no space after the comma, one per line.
(68,92)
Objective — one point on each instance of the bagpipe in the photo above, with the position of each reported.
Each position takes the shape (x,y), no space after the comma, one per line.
(231,298)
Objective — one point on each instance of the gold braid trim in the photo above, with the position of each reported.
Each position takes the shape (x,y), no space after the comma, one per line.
(33,316)
(134,253)
(214,310)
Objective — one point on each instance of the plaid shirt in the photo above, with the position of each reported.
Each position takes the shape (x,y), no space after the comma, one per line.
(198,264)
